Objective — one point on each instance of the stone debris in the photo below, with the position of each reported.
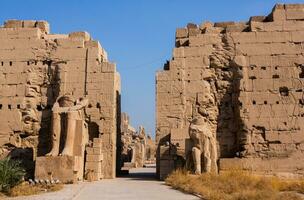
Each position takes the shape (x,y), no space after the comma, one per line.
(38,67)
(245,79)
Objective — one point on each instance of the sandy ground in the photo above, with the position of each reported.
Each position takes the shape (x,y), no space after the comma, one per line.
(140,184)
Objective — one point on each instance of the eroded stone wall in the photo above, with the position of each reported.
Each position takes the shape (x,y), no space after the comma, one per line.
(245,80)
(36,67)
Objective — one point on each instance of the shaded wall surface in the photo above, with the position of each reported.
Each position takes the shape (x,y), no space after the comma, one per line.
(246,80)
(36,67)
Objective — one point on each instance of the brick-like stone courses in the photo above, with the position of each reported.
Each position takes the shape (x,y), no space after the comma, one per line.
(94,158)
(245,78)
(36,67)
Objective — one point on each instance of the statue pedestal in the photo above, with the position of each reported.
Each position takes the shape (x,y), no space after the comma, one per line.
(67,169)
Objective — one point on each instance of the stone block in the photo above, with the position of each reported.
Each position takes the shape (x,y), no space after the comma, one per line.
(297,137)
(164,152)
(285,137)
(94,158)
(193,31)
(70,43)
(285,48)
(43,26)
(180,138)
(178,52)
(29,23)
(166,167)
(293,25)
(97,144)
(198,51)
(181,33)
(204,39)
(24,33)
(278,13)
(254,49)
(80,35)
(297,36)
(162,76)
(271,166)
(197,62)
(261,60)
(64,168)
(93,166)
(13,23)
(294,11)
(268,37)
(108,67)
(238,27)
(243,37)
(97,150)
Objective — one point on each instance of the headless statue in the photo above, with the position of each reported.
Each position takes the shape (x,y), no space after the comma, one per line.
(74,111)
(204,146)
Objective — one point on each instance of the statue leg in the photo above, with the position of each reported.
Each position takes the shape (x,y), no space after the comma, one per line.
(207,160)
(213,147)
(133,159)
(143,153)
(71,129)
(56,129)
(196,154)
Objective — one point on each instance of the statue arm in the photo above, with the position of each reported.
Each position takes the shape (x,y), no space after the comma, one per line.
(79,105)
(57,109)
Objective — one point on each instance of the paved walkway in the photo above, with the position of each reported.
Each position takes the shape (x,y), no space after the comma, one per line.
(139,185)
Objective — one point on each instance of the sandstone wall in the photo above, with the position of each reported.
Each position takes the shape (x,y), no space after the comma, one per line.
(36,67)
(245,79)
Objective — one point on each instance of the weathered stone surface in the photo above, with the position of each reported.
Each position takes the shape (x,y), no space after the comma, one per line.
(245,81)
(63,168)
(36,68)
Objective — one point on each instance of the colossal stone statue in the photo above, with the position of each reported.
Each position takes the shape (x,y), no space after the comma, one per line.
(66,107)
(204,146)
(143,141)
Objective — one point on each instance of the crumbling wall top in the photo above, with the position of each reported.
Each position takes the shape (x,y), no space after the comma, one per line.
(42,25)
(281,13)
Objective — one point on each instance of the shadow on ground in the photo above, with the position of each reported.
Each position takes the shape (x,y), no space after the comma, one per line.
(147,173)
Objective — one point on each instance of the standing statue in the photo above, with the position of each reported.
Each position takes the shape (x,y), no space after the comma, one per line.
(204,150)
(143,141)
(72,110)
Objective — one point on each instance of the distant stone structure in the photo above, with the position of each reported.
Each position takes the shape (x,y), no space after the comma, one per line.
(246,81)
(137,148)
(60,97)
(150,150)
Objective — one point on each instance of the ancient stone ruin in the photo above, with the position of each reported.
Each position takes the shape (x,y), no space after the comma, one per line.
(232,96)
(59,102)
(137,147)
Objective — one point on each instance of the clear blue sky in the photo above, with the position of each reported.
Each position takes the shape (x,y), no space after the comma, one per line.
(138,35)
